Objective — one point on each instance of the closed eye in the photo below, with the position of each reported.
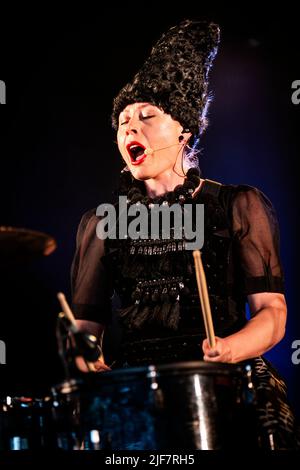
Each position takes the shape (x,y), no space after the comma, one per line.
(147,117)
(143,118)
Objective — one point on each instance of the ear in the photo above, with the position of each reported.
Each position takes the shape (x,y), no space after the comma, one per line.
(186,135)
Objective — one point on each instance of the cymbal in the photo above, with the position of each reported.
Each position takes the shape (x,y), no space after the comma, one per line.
(20,244)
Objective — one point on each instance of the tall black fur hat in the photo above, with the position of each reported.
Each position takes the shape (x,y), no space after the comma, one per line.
(175,76)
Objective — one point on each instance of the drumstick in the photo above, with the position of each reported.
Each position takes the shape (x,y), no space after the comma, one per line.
(67,311)
(73,326)
(204,299)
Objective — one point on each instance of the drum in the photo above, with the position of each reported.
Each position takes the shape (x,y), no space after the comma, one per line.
(189,405)
(66,414)
(26,423)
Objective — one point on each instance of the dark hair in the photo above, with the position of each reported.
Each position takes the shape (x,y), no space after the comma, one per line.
(175,76)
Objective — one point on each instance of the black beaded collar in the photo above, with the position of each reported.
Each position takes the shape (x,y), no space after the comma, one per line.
(136,193)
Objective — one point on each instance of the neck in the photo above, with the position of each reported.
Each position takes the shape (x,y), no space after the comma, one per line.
(159,186)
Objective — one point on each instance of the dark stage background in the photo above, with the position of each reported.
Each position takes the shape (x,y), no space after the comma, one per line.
(58,156)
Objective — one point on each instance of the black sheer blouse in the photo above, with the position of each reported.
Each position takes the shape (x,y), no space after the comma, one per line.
(240,257)
(255,229)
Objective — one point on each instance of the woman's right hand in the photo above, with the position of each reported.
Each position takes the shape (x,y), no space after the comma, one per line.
(97,330)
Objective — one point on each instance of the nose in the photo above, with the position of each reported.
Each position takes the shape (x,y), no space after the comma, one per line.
(132,126)
(131,130)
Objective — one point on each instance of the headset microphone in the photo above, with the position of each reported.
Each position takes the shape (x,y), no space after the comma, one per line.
(150,151)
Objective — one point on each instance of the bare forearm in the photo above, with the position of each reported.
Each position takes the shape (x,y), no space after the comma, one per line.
(265,329)
(259,335)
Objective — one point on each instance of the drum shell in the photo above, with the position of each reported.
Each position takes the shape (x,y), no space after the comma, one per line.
(192,405)
(26,423)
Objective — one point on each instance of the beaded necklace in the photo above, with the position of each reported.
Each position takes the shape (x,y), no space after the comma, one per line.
(182,193)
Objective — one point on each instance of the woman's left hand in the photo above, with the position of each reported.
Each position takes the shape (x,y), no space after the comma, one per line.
(220,353)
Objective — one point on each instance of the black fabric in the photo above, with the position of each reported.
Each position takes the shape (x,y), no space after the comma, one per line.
(277,427)
(240,255)
(255,229)
(159,311)
(90,283)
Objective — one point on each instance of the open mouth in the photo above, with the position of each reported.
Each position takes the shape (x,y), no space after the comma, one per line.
(136,152)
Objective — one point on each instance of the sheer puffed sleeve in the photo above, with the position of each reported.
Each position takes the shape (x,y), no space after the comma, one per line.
(90,280)
(256,242)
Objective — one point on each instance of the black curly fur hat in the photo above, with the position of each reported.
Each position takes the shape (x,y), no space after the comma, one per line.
(175,76)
